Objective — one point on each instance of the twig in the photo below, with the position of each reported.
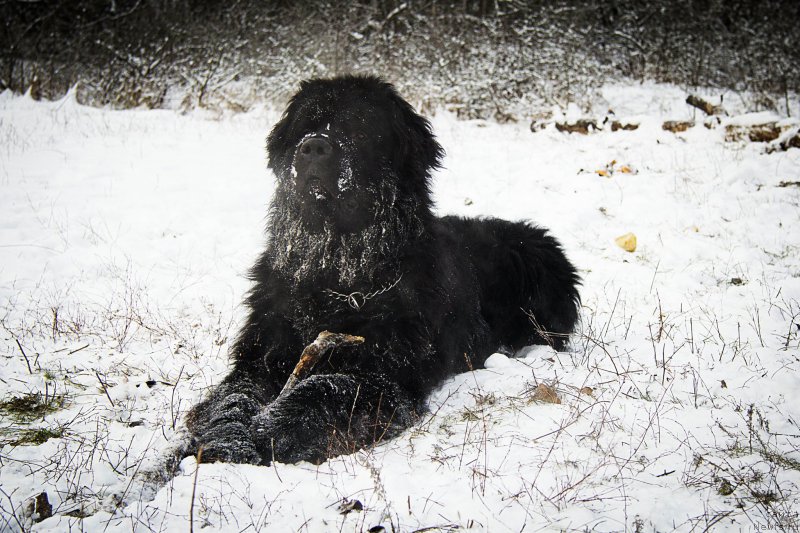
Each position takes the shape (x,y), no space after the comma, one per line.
(13,510)
(76,350)
(654,277)
(130,482)
(172,400)
(272,447)
(313,353)
(194,489)
(30,371)
(352,410)
(716,519)
(102,384)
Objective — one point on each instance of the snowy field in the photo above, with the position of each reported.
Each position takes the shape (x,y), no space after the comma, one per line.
(125,237)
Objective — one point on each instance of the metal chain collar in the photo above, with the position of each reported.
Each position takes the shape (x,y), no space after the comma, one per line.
(358,299)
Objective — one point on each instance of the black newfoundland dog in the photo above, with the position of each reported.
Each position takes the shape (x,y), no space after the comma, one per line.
(355,248)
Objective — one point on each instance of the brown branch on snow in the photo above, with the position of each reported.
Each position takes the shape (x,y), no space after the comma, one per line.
(706,107)
(313,353)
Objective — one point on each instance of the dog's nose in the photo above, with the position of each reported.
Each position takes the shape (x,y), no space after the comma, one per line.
(315,149)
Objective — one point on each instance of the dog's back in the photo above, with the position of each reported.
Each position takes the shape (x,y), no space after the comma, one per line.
(528,288)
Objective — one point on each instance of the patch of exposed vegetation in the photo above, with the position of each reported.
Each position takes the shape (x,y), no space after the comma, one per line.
(34,436)
(31,406)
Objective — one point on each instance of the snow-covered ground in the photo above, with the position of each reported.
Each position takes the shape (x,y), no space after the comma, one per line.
(125,237)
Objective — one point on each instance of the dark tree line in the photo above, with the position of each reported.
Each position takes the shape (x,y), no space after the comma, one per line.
(488,58)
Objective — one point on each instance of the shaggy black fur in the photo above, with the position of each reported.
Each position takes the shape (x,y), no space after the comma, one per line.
(354,248)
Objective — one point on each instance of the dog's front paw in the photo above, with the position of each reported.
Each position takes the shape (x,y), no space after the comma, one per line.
(288,439)
(235,407)
(229,442)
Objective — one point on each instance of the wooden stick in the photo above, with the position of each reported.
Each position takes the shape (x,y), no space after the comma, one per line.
(313,353)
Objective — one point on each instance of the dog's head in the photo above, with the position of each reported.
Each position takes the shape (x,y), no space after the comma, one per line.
(347,149)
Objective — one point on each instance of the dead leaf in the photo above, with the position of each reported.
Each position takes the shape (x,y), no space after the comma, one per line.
(627,242)
(613,167)
(545,393)
(588,391)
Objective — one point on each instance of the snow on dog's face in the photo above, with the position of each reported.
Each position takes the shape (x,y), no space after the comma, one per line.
(345,150)
(341,157)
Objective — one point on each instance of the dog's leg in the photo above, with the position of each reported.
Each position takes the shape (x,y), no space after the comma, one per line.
(331,414)
(221,422)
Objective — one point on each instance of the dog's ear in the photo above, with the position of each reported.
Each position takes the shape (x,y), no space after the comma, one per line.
(417,152)
(277,149)
(276,141)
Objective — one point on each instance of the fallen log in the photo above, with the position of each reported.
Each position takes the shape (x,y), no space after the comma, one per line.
(581,126)
(758,133)
(706,107)
(538,125)
(616,125)
(789,139)
(677,126)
